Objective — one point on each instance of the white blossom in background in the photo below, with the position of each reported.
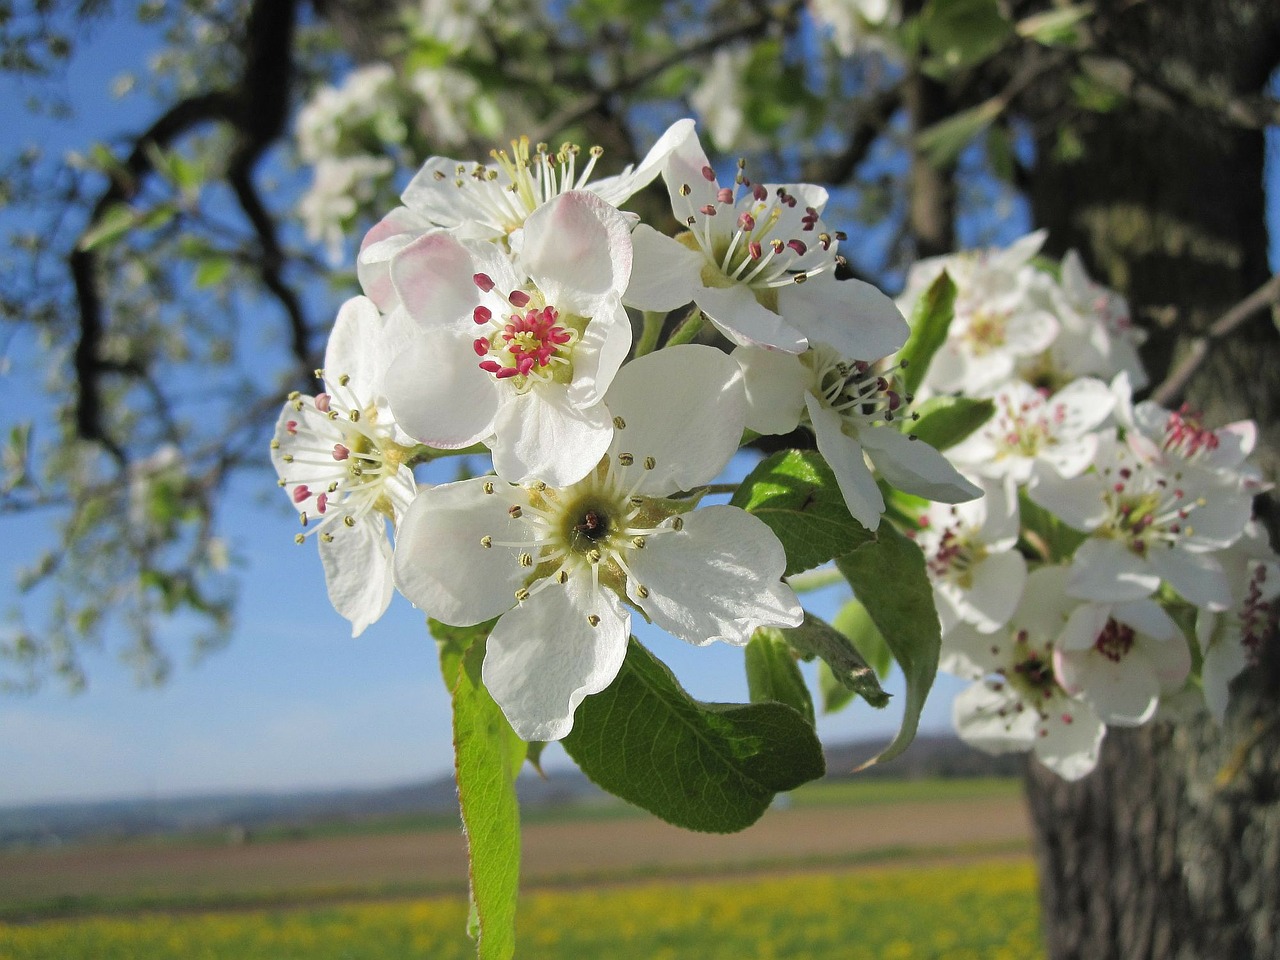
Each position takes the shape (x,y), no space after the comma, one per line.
(342,460)
(1120,658)
(977,573)
(854,410)
(1029,428)
(1016,702)
(853,23)
(1147,524)
(759,263)
(1230,640)
(563,567)
(1097,336)
(447,96)
(517,356)
(720,100)
(340,187)
(365,104)
(1001,316)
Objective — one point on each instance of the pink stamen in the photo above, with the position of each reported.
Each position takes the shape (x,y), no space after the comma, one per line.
(481,346)
(300,493)
(322,502)
(518,298)
(291,428)
(725,195)
(483,281)
(709,174)
(340,452)
(322,403)
(482,315)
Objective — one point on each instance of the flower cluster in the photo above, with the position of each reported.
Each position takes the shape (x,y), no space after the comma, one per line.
(1135,519)
(495,317)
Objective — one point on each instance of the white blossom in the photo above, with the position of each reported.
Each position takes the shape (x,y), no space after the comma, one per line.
(342,461)
(854,410)
(759,263)
(519,359)
(1017,702)
(563,567)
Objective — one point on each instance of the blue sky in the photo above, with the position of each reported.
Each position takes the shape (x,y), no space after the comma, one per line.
(294,702)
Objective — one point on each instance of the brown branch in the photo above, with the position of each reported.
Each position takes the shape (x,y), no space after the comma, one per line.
(256,108)
(597,99)
(1267,295)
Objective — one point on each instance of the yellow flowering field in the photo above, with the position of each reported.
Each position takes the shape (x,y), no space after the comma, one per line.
(983,911)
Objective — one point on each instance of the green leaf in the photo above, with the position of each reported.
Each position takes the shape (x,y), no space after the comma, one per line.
(930,320)
(889,577)
(943,142)
(796,494)
(773,675)
(713,767)
(117,220)
(854,622)
(488,755)
(1055,27)
(212,271)
(817,638)
(961,33)
(945,421)
(1044,535)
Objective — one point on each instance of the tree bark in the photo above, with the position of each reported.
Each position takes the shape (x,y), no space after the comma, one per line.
(1171,849)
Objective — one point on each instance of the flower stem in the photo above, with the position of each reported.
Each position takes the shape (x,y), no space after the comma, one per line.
(815,579)
(687,330)
(650,332)
(729,488)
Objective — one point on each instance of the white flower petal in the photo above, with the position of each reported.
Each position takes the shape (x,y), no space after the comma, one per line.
(1105,570)
(1083,627)
(432,278)
(844,456)
(618,189)
(915,467)
(684,406)
(357,571)
(1070,749)
(442,566)
(1197,576)
(717,579)
(1223,661)
(439,394)
(597,357)
(739,316)
(853,317)
(998,582)
(577,242)
(775,383)
(666,274)
(540,435)
(1078,502)
(352,348)
(986,720)
(543,657)
(1124,692)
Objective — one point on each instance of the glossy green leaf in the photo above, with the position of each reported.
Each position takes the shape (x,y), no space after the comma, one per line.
(889,577)
(488,756)
(945,421)
(713,767)
(774,675)
(817,638)
(212,271)
(930,320)
(796,494)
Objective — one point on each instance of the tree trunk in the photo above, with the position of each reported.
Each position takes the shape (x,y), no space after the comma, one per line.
(1171,849)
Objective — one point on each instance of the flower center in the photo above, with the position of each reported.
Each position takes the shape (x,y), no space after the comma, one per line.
(986,332)
(1144,510)
(1032,672)
(751,236)
(534,344)
(856,390)
(1186,435)
(1115,641)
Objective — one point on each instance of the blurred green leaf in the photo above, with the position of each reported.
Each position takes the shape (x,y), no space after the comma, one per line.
(930,320)
(943,142)
(961,33)
(945,421)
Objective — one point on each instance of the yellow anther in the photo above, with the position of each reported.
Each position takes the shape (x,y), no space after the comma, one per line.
(593,620)
(486,542)
(626,459)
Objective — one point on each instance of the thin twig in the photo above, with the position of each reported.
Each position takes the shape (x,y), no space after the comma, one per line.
(1171,388)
